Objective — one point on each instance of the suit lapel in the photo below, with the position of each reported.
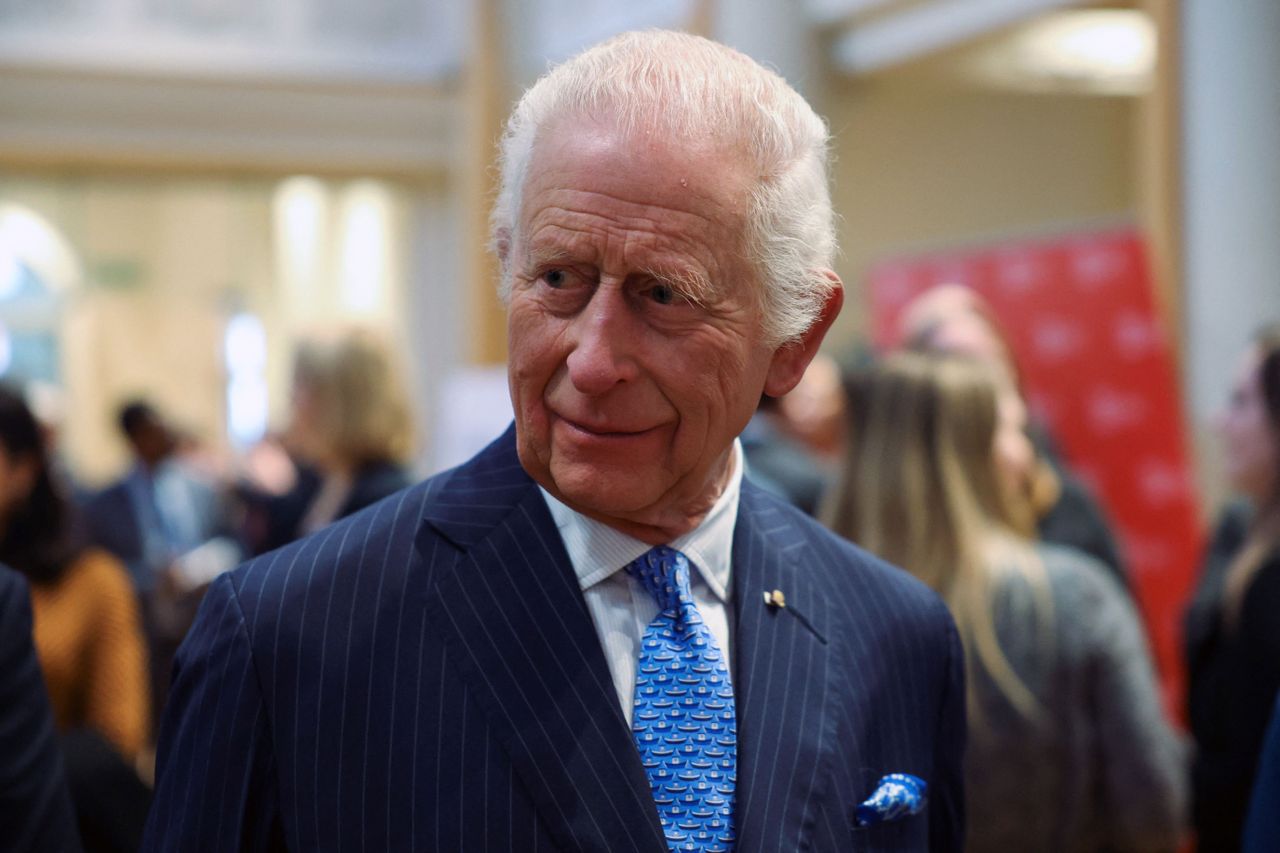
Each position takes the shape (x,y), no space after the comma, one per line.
(783,682)
(512,616)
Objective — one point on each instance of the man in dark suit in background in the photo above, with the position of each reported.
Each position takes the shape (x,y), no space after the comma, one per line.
(35,805)
(162,509)
(170,527)
(594,635)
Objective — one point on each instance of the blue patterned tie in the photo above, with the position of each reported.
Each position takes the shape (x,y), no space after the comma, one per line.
(683,718)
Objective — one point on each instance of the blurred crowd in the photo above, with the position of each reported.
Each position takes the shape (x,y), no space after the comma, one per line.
(116,574)
(925,456)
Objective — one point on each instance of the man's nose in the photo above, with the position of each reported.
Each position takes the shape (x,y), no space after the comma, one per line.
(605,334)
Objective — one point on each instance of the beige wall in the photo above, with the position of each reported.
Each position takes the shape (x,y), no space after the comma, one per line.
(916,165)
(919,166)
(163,260)
(167,260)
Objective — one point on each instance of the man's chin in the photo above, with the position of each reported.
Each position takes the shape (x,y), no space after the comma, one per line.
(601,495)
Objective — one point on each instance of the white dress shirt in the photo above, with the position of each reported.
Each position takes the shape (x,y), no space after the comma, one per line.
(620,607)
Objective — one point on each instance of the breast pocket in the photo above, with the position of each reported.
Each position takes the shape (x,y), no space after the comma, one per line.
(906,835)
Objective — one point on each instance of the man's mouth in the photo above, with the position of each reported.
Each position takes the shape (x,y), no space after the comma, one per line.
(604,430)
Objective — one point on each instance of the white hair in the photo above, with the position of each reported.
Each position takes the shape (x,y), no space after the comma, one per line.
(697,90)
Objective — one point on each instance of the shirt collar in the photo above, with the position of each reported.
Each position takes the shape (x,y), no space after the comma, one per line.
(597,550)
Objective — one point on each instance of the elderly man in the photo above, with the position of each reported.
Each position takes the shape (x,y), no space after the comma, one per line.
(594,635)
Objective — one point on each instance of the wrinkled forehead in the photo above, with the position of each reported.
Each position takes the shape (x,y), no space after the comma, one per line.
(697,189)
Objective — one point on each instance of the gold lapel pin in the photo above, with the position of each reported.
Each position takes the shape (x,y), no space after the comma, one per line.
(775,600)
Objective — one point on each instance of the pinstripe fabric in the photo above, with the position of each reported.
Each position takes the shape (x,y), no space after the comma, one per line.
(872,684)
(425,676)
(36,815)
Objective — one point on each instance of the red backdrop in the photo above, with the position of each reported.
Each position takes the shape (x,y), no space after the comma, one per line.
(1080,313)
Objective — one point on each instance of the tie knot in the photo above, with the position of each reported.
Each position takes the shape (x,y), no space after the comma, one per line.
(664,573)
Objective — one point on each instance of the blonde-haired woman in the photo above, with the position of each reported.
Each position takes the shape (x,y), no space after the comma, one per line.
(952,319)
(1068,747)
(350,434)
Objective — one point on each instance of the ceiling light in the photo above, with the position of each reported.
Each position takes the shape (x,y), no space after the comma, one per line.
(1094,51)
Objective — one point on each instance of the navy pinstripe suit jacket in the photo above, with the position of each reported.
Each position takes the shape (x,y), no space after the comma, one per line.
(36,815)
(426,676)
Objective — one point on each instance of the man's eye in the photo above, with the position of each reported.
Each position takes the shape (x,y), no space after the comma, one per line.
(556,278)
(663,294)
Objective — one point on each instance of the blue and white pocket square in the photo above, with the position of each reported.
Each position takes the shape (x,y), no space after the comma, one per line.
(897,795)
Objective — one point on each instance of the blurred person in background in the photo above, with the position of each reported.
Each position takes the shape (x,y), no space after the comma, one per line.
(954,319)
(349,438)
(1233,623)
(1262,827)
(49,405)
(87,634)
(778,463)
(1068,747)
(163,508)
(793,444)
(789,440)
(813,411)
(170,523)
(35,806)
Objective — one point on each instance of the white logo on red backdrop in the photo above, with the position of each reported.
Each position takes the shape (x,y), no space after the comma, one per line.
(1055,339)
(1018,272)
(1162,482)
(1136,336)
(1096,263)
(1112,410)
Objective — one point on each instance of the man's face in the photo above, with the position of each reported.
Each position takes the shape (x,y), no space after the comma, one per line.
(152,440)
(634,329)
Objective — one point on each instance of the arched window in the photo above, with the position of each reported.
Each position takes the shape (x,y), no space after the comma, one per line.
(36,269)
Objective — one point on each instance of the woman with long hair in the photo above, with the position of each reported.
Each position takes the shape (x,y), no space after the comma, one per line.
(952,319)
(350,436)
(1068,747)
(1233,624)
(87,635)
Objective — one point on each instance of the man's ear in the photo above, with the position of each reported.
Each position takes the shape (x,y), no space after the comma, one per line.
(790,360)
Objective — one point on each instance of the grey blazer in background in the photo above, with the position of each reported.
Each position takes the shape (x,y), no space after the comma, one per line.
(425,675)
(1101,768)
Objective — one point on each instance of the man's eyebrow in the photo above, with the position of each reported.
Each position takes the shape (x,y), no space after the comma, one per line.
(545,256)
